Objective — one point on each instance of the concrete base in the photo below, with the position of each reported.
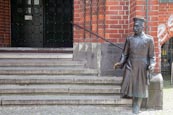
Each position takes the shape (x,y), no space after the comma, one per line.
(155,99)
(99,56)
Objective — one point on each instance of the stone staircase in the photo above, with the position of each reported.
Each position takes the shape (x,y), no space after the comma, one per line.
(53,78)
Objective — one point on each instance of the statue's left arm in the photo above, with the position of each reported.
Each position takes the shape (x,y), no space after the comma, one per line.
(151,55)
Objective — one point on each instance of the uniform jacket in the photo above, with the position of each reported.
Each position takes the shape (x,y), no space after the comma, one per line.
(137,55)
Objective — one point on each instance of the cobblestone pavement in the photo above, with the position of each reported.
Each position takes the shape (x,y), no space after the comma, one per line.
(89,110)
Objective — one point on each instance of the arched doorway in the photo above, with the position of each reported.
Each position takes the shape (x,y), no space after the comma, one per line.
(42,23)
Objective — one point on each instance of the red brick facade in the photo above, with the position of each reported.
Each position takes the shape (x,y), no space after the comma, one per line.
(5,23)
(111,19)
(91,15)
(108,18)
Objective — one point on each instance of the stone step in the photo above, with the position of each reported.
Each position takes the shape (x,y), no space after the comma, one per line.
(59,89)
(40,63)
(63,100)
(46,71)
(35,50)
(59,79)
(36,55)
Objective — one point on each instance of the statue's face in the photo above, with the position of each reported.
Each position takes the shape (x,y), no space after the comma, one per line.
(138,27)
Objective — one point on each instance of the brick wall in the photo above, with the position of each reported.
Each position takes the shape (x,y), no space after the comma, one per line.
(89,14)
(153,6)
(117,12)
(77,19)
(118,19)
(132,14)
(108,18)
(5,23)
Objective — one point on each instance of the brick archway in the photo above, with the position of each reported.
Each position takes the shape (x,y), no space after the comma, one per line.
(165,31)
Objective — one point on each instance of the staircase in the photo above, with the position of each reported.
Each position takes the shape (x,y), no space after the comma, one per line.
(33,77)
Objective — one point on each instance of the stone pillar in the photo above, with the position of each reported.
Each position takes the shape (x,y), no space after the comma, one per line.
(155,99)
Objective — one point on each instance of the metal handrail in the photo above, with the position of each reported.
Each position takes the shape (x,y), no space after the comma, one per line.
(96,35)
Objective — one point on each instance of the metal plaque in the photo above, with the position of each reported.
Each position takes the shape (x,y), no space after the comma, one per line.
(36,2)
(28,17)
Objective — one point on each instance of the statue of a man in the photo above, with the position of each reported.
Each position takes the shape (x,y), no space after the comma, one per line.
(138,58)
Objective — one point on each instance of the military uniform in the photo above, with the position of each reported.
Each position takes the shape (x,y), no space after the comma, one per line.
(138,58)
(137,55)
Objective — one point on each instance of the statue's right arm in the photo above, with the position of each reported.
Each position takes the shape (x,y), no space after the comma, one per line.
(124,55)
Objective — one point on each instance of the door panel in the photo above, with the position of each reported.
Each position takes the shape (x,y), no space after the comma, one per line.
(17,22)
(27,23)
(58,29)
(42,23)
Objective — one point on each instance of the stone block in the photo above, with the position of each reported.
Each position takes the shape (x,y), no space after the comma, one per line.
(99,56)
(155,99)
(79,51)
(109,56)
(91,55)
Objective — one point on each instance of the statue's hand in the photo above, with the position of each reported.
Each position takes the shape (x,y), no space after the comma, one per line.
(117,65)
(151,68)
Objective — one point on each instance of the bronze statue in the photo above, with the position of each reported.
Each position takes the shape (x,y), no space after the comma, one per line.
(137,58)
